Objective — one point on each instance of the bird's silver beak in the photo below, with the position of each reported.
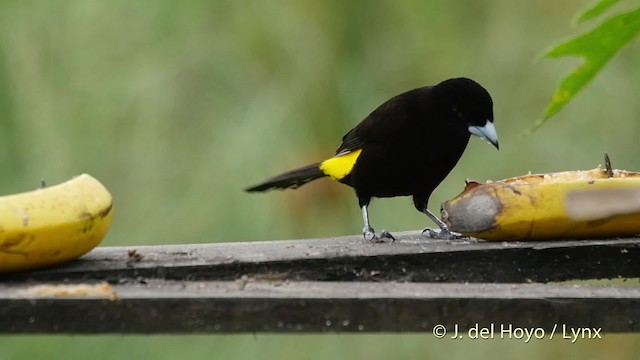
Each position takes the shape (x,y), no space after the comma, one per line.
(487,132)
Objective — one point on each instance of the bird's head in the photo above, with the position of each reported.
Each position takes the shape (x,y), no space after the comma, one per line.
(472,105)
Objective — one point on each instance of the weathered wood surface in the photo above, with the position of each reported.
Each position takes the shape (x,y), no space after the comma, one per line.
(410,258)
(341,284)
(268,306)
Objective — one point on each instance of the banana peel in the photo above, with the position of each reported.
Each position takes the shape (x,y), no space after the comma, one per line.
(596,203)
(52,225)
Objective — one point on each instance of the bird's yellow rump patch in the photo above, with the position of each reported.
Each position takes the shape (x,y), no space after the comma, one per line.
(340,166)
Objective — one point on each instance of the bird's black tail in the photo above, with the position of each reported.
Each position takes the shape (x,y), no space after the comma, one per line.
(291,179)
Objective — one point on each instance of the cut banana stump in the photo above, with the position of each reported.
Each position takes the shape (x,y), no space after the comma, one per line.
(52,225)
(596,203)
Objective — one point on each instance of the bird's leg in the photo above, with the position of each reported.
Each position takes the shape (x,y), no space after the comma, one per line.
(369,233)
(444,232)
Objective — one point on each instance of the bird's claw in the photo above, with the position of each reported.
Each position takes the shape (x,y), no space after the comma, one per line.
(443,234)
(370,235)
(386,235)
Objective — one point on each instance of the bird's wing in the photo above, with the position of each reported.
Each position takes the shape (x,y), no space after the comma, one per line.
(384,123)
(369,130)
(351,141)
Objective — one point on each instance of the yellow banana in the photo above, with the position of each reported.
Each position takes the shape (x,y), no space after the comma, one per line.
(574,204)
(54,224)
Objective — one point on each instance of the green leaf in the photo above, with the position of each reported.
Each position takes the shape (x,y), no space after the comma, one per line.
(595,10)
(596,47)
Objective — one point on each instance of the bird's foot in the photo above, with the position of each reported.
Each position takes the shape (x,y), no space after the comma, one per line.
(384,234)
(443,234)
(370,235)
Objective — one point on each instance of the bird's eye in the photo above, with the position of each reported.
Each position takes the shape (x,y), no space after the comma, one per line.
(459,113)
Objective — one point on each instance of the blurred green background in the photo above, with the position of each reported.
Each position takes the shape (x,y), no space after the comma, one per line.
(177,106)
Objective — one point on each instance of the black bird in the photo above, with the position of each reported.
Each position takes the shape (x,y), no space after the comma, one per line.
(405,147)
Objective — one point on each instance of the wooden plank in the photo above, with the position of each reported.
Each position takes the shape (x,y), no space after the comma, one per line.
(159,306)
(412,258)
